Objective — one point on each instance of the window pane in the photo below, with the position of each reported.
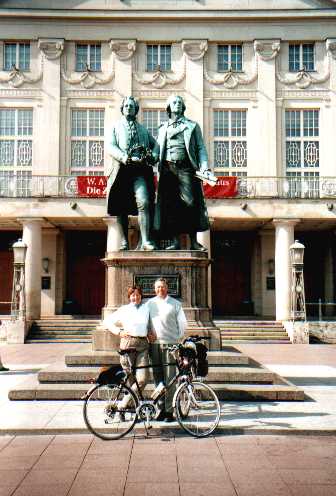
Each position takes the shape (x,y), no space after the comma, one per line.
(238,123)
(81,57)
(78,154)
(165,57)
(294,58)
(96,153)
(9,56)
(310,123)
(7,152)
(293,126)
(25,122)
(96,122)
(308,57)
(7,122)
(222,154)
(79,123)
(236,57)
(24,153)
(293,154)
(152,57)
(24,56)
(152,119)
(223,57)
(221,123)
(95,57)
(311,153)
(239,154)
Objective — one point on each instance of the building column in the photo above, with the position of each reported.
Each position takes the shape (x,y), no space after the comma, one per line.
(284,237)
(204,238)
(266,53)
(113,234)
(49,250)
(32,236)
(49,112)
(194,51)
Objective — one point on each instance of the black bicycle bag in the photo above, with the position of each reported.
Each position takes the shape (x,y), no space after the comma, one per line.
(202,368)
(111,375)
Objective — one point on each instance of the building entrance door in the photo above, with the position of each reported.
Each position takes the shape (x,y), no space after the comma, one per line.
(85,293)
(231,274)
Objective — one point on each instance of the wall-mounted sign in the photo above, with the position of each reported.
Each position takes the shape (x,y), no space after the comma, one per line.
(46,282)
(147,284)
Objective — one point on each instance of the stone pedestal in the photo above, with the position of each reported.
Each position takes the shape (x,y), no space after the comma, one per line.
(187,275)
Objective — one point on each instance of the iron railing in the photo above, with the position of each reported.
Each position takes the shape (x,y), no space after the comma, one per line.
(31,186)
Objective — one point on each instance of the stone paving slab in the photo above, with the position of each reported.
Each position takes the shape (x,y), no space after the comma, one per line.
(168,465)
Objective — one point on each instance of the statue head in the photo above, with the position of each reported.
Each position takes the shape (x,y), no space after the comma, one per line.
(129,106)
(175,104)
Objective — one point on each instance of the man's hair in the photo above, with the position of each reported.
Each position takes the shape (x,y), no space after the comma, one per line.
(161,279)
(136,104)
(168,109)
(132,289)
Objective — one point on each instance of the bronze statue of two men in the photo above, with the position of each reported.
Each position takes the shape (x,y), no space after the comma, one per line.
(180,151)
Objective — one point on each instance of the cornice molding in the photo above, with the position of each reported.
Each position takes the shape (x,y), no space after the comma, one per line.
(52,48)
(123,49)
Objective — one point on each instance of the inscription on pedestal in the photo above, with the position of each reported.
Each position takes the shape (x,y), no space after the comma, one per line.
(147,284)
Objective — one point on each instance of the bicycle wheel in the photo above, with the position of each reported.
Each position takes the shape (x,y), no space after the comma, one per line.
(203,413)
(110,411)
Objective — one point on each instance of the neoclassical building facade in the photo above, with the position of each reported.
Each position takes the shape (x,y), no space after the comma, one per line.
(260,79)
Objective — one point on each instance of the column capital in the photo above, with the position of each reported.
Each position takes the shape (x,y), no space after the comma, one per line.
(30,220)
(124,49)
(331,47)
(288,222)
(194,49)
(52,48)
(267,49)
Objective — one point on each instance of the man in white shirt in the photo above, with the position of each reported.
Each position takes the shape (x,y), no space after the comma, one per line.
(168,322)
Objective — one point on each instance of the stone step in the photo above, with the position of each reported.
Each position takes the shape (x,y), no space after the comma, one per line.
(61,374)
(58,341)
(254,337)
(31,389)
(60,334)
(229,356)
(256,332)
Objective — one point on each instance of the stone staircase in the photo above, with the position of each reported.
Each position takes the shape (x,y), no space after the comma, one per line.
(62,329)
(243,331)
(233,375)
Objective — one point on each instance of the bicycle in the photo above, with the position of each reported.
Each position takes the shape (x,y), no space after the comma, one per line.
(111,408)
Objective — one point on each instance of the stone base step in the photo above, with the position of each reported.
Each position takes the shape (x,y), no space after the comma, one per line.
(253,375)
(33,390)
(249,337)
(229,356)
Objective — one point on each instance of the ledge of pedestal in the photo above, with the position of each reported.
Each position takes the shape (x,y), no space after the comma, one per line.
(177,257)
(103,339)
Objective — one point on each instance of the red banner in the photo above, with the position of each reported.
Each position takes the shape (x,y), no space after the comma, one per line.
(95,187)
(92,186)
(225,187)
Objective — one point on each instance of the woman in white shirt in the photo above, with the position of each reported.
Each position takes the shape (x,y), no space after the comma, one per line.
(131,323)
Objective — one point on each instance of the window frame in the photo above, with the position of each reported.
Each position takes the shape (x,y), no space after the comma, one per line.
(229,45)
(17,64)
(159,64)
(301,65)
(89,47)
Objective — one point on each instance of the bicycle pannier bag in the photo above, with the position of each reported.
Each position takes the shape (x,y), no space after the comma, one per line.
(110,375)
(202,362)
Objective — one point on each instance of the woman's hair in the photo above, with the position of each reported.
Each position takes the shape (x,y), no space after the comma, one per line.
(136,104)
(131,290)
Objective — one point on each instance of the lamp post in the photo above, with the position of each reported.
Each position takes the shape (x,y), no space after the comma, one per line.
(298,303)
(18,304)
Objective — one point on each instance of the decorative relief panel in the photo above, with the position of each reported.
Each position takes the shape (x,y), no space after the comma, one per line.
(83,93)
(231,79)
(331,47)
(160,79)
(52,48)
(123,49)
(267,49)
(16,78)
(86,79)
(194,49)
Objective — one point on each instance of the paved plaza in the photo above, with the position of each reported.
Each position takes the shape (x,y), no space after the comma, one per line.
(261,448)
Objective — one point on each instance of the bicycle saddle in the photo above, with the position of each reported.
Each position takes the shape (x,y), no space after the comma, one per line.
(126,351)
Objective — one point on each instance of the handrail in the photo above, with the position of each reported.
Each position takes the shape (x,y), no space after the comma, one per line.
(65,186)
